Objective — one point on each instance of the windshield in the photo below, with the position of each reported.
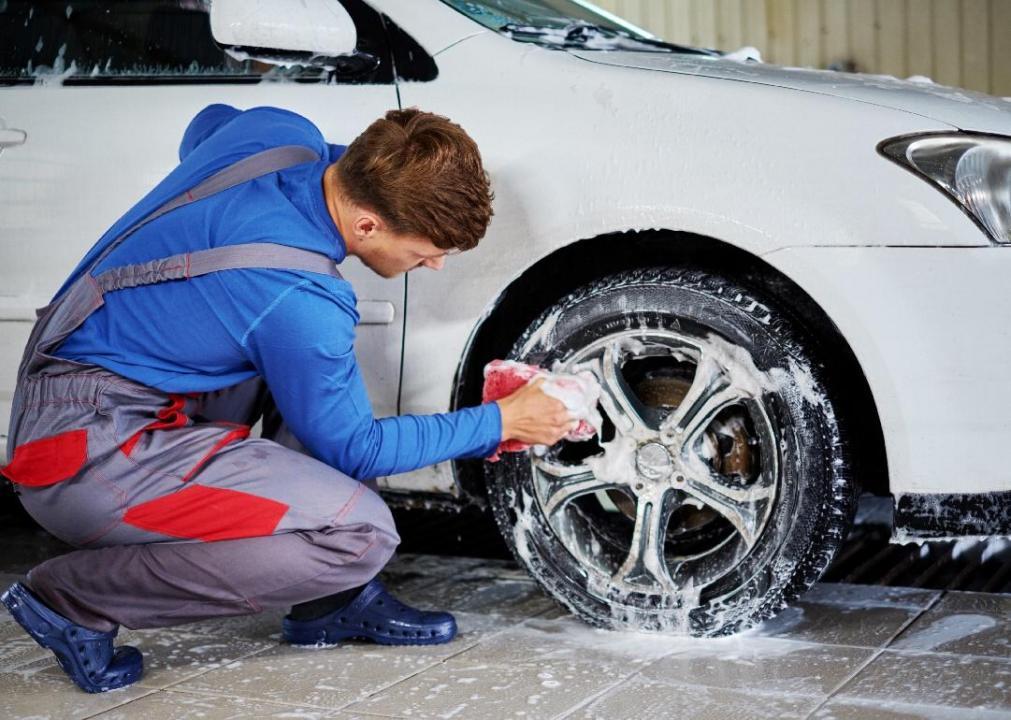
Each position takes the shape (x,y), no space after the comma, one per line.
(543,14)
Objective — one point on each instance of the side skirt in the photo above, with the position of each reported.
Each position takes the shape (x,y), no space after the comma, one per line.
(923,516)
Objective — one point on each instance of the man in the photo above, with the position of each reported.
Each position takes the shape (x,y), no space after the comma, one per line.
(214,302)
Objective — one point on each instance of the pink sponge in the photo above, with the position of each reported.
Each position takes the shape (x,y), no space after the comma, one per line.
(579,392)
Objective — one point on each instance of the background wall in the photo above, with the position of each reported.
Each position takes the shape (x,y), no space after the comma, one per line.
(954,42)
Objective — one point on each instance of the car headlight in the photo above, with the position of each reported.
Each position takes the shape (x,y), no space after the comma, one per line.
(974,170)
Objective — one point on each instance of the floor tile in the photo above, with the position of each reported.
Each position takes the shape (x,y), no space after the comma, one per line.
(864,596)
(479,627)
(871,626)
(571,639)
(761,664)
(430,566)
(172,655)
(852,709)
(444,567)
(264,627)
(558,612)
(407,582)
(7,579)
(502,569)
(41,690)
(17,647)
(324,677)
(544,689)
(511,598)
(637,698)
(934,679)
(171,705)
(402,585)
(408,574)
(963,623)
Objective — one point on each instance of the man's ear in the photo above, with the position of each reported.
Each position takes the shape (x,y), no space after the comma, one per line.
(367,224)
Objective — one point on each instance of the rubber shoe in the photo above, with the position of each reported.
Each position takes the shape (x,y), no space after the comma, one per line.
(374,615)
(87,656)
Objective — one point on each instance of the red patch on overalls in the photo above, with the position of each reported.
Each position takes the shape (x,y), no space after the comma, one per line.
(205,513)
(168,418)
(48,460)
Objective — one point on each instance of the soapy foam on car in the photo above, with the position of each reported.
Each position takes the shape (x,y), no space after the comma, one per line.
(579,391)
(616,463)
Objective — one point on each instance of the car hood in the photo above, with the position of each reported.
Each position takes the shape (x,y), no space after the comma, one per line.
(960,108)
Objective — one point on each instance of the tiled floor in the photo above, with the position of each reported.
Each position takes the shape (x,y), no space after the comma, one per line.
(844,652)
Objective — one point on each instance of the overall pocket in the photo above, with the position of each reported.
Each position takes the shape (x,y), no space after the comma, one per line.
(48,460)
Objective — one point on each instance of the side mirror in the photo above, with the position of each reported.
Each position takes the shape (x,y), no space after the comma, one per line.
(284,31)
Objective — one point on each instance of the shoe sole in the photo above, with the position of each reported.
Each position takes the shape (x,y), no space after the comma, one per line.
(332,636)
(20,610)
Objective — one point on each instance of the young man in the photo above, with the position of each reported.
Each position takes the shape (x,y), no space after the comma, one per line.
(215,302)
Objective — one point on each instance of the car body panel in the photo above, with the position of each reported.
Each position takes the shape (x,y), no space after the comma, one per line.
(962,108)
(921,323)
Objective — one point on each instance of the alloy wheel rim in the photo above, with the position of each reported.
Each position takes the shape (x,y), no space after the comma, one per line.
(663,463)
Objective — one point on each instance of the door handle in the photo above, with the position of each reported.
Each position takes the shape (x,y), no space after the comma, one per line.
(9,137)
(375,312)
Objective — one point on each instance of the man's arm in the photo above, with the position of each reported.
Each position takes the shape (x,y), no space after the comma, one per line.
(303,347)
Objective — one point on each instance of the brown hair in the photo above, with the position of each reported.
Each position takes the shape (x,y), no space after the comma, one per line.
(421,174)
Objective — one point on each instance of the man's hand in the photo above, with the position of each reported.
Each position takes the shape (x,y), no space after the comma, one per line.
(530,416)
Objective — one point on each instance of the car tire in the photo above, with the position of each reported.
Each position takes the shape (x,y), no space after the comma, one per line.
(718,489)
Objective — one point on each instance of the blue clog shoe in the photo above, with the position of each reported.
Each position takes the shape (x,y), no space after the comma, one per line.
(374,615)
(87,656)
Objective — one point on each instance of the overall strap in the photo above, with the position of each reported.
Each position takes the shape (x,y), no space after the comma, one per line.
(201,262)
(249,168)
(67,312)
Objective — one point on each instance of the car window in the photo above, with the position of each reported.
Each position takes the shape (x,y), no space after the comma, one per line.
(496,14)
(123,41)
(566,24)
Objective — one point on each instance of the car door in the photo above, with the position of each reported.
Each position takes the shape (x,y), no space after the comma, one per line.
(94,98)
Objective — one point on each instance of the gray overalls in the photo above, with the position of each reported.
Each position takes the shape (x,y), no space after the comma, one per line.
(180,514)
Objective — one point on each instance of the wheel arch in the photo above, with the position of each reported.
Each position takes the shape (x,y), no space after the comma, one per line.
(554,276)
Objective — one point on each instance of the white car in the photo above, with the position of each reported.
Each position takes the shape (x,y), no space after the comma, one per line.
(792,284)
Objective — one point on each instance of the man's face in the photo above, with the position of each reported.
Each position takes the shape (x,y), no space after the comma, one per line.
(389,254)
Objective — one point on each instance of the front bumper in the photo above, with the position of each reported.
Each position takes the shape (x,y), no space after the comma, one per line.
(931,329)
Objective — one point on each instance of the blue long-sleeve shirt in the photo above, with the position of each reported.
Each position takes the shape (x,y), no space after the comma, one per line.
(295,329)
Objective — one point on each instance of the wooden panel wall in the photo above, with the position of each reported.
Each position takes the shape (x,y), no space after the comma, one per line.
(955,42)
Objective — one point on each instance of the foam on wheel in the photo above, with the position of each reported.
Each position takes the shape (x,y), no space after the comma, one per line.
(718,488)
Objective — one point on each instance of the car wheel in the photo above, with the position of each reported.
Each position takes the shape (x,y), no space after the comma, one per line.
(718,488)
